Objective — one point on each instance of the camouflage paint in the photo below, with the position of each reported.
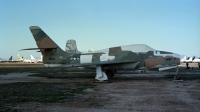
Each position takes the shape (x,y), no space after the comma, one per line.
(115,58)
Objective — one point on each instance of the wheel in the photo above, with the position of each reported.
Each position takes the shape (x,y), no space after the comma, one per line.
(176,77)
(143,71)
(109,73)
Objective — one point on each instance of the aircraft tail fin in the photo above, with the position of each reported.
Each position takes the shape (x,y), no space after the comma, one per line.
(32,57)
(43,41)
(10,59)
(185,57)
(20,57)
(71,46)
(193,58)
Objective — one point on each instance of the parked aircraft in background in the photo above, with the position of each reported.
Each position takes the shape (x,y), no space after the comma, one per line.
(20,58)
(196,60)
(35,60)
(189,59)
(27,61)
(32,60)
(183,60)
(40,60)
(106,61)
(9,60)
(193,59)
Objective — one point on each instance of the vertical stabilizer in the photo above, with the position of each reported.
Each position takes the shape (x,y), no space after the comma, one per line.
(10,59)
(43,41)
(20,58)
(32,57)
(71,46)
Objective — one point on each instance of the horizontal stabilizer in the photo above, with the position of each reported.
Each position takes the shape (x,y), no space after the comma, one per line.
(39,48)
(92,53)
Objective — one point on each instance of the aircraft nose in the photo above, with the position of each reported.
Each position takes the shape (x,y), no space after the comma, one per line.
(177,56)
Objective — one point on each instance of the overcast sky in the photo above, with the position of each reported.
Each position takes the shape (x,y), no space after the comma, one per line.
(169,25)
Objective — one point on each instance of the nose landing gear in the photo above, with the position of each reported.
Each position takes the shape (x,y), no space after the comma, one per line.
(177,76)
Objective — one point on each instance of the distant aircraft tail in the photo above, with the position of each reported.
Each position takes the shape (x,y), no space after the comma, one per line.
(10,59)
(193,58)
(185,57)
(32,57)
(20,58)
(71,46)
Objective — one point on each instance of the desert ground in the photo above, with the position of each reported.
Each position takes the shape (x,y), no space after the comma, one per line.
(32,87)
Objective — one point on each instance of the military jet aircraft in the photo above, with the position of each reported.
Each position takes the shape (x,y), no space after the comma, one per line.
(9,60)
(106,61)
(36,60)
(196,60)
(183,60)
(32,60)
(20,58)
(193,59)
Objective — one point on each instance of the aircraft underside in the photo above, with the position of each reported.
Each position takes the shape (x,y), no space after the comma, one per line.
(105,71)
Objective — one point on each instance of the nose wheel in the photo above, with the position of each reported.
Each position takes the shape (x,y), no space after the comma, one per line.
(177,76)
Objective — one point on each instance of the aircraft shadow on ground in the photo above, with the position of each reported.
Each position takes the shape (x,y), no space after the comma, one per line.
(185,74)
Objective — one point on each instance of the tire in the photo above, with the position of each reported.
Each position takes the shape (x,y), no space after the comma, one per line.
(109,73)
(176,77)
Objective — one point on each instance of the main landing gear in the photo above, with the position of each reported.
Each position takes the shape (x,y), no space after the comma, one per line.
(177,76)
(100,75)
(110,73)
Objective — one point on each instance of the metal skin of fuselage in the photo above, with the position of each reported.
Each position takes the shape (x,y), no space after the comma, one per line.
(106,61)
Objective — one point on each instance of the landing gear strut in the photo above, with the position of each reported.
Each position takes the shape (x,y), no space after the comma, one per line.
(177,76)
(100,75)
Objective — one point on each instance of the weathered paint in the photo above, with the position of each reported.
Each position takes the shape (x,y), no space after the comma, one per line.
(137,56)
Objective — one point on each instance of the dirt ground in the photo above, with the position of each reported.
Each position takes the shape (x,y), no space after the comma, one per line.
(131,91)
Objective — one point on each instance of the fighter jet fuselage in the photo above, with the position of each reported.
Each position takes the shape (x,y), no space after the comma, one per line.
(115,58)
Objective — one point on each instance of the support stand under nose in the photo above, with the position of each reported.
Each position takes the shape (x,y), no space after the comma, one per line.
(177,76)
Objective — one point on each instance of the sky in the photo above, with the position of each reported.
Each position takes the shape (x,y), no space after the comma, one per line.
(168,25)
